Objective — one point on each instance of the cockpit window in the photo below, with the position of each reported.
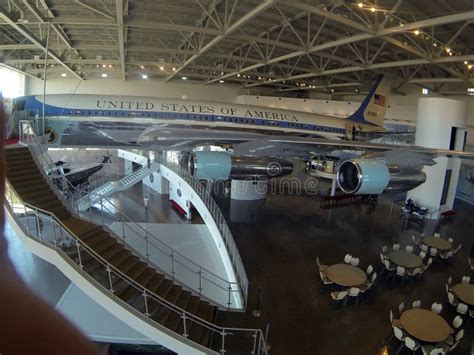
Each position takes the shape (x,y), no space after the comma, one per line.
(19,105)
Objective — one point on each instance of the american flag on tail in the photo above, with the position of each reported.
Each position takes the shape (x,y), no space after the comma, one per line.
(379,100)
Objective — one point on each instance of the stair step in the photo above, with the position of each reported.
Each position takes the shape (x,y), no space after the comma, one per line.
(104,245)
(129,293)
(162,292)
(174,317)
(119,257)
(128,264)
(137,270)
(206,336)
(161,315)
(94,239)
(195,329)
(112,251)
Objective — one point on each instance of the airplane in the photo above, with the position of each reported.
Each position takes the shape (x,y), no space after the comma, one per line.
(262,139)
(77,177)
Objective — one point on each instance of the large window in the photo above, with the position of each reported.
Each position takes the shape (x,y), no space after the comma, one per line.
(12,84)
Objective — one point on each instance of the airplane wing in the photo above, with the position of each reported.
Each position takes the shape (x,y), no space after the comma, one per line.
(249,143)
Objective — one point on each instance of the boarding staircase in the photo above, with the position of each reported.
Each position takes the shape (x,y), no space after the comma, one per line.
(92,197)
(27,181)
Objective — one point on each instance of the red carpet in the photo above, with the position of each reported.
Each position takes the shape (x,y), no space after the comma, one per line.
(11,141)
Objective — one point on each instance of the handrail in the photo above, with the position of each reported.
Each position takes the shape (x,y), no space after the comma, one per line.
(176,258)
(259,344)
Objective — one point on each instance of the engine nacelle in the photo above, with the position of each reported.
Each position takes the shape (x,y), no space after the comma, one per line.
(223,166)
(373,176)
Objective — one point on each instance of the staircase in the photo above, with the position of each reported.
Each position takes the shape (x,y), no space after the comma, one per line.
(31,186)
(94,196)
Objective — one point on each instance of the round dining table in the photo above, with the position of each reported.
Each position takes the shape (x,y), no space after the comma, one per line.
(346,275)
(465,293)
(438,243)
(405,259)
(425,325)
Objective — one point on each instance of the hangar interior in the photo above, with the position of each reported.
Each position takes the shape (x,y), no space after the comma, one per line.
(172,232)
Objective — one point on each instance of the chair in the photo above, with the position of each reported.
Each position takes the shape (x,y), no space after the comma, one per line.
(457,322)
(409,249)
(401,272)
(436,308)
(347,259)
(370,268)
(424,248)
(355,262)
(324,279)
(466,280)
(354,292)
(433,252)
(471,263)
(321,267)
(384,249)
(365,287)
(416,304)
(452,300)
(414,272)
(431,350)
(338,296)
(398,333)
(428,264)
(457,249)
(446,255)
(412,344)
(451,341)
(462,308)
(389,267)
(416,241)
(437,235)
(451,240)
(401,308)
(422,254)
(396,247)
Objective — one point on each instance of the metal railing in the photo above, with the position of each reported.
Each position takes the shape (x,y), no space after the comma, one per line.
(43,227)
(163,257)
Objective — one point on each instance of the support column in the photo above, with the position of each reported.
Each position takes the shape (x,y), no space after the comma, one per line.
(249,190)
(441,123)
(128,167)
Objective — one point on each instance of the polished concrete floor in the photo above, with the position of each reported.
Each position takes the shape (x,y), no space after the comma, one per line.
(279,253)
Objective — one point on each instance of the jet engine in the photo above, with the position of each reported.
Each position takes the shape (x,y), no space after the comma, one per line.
(374,176)
(223,166)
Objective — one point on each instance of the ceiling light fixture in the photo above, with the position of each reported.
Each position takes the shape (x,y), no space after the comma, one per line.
(104,75)
(221,81)
(184,78)
(144,76)
(372,9)
(417,32)
(360,4)
(63,75)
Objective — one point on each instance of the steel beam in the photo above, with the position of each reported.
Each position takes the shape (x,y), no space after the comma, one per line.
(32,37)
(232,28)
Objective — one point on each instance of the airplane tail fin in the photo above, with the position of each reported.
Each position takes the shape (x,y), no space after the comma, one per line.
(373,108)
